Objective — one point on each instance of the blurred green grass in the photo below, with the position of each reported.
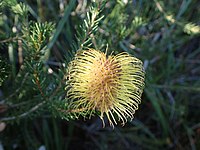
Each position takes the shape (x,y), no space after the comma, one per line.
(168,117)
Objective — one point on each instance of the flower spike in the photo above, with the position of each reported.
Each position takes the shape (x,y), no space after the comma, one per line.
(111,85)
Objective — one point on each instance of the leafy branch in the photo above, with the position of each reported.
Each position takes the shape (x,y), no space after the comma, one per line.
(90,25)
(33,109)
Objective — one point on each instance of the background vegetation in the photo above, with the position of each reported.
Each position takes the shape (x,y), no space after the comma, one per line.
(38,39)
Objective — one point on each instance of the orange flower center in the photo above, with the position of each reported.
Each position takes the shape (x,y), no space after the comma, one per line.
(103,82)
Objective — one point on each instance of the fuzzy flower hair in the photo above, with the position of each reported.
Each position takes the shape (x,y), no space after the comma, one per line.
(110,85)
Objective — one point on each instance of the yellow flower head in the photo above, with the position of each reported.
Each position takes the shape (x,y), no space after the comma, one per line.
(110,85)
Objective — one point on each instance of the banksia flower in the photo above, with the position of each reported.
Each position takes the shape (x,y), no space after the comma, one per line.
(110,85)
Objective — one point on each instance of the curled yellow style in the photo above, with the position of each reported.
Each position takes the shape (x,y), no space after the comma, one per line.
(111,85)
